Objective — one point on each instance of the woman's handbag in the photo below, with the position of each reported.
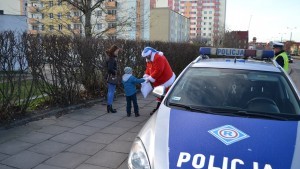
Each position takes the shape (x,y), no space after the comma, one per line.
(112,79)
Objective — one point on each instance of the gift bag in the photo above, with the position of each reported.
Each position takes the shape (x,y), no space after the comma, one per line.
(112,79)
(146,89)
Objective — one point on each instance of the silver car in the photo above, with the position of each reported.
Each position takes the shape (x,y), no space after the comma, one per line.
(226,113)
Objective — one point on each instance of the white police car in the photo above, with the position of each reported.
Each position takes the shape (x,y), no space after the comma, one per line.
(224,114)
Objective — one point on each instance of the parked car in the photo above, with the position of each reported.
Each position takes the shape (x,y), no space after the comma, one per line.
(223,113)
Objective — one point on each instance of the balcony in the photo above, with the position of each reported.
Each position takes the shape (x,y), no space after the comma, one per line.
(76,31)
(33,21)
(76,19)
(111,5)
(216,31)
(71,7)
(34,32)
(111,31)
(33,9)
(110,18)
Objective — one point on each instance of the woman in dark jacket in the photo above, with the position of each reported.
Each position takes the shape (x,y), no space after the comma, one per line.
(111,65)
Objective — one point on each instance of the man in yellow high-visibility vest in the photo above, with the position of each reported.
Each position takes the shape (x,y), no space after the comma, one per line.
(281,56)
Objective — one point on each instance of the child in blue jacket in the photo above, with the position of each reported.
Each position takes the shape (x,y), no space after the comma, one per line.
(129,82)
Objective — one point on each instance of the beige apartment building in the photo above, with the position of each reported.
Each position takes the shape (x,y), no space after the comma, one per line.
(169,26)
(59,17)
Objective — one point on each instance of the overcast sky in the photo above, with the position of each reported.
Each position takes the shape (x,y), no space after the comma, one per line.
(267,20)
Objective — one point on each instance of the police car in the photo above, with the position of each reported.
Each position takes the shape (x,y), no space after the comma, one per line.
(226,113)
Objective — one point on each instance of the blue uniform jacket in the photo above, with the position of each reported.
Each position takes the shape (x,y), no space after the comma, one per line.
(129,82)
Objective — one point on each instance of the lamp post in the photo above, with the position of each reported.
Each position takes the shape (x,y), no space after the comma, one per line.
(291,31)
(281,35)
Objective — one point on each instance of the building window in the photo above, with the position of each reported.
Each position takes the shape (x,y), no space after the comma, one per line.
(68,15)
(99,26)
(76,13)
(51,15)
(69,26)
(98,13)
(59,2)
(77,26)
(204,34)
(59,15)
(51,27)
(204,17)
(43,16)
(112,25)
(210,17)
(60,27)
(50,3)
(205,12)
(111,12)
(42,27)
(35,28)
(210,12)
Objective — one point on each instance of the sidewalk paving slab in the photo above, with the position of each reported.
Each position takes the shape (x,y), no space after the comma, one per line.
(85,138)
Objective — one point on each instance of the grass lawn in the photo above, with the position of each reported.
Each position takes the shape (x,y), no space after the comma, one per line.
(21,90)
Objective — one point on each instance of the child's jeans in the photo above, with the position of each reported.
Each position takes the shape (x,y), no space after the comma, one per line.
(135,105)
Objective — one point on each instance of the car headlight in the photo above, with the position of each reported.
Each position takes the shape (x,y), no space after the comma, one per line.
(138,158)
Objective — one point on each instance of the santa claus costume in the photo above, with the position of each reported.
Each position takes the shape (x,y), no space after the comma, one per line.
(158,70)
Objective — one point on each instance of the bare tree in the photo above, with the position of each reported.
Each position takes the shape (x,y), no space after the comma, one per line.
(86,7)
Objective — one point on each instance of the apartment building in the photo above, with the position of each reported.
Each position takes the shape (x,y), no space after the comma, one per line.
(113,19)
(53,17)
(169,26)
(133,20)
(207,17)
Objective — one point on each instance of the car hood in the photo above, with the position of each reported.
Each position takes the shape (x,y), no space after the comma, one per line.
(187,140)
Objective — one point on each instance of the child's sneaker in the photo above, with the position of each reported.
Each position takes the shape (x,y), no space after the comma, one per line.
(137,114)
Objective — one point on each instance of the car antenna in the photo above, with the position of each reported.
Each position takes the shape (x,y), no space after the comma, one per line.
(234,59)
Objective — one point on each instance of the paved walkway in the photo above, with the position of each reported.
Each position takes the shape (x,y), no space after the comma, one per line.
(87,138)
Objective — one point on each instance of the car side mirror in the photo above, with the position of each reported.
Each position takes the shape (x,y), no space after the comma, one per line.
(159,91)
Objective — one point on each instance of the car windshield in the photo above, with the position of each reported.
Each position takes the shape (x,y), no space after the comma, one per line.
(241,90)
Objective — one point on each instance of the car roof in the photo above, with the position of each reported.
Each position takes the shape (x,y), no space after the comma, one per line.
(241,64)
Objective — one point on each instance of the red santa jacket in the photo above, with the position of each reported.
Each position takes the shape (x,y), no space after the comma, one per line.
(159,69)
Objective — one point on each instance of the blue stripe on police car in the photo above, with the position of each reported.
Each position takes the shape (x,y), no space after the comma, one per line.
(271,143)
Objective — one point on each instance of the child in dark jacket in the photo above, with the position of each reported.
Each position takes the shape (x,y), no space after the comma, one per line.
(129,82)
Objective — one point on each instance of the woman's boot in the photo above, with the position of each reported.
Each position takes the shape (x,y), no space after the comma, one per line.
(108,108)
(112,110)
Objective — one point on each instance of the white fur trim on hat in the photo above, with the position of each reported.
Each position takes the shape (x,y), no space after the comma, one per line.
(144,54)
(148,51)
